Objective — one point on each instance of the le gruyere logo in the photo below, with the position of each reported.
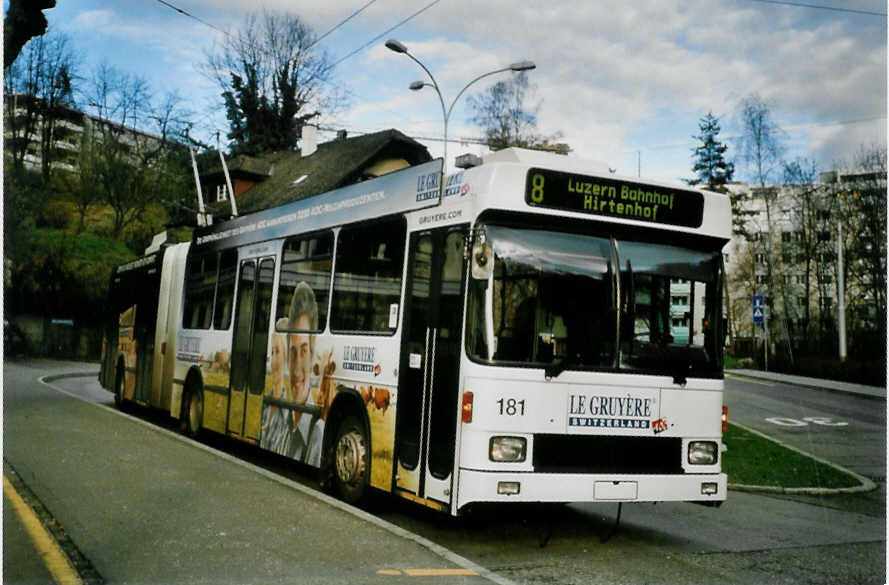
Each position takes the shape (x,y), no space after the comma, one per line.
(617,412)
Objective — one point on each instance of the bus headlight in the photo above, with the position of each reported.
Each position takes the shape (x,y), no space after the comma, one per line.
(507,449)
(702,452)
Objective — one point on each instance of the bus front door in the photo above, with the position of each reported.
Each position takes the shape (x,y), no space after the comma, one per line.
(249,347)
(430,362)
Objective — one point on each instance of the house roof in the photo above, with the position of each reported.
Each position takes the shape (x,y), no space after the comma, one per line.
(291,176)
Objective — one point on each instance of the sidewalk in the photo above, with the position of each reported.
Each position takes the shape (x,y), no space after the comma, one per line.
(817,383)
(146,505)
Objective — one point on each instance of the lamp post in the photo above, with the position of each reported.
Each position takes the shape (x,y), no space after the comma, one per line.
(398,47)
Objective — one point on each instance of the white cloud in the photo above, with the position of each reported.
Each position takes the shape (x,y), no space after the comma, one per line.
(608,71)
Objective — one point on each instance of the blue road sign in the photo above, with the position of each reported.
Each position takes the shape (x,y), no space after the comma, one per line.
(759,309)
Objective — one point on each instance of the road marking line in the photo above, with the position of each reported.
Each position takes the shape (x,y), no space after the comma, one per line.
(55,559)
(388,572)
(749,380)
(439,572)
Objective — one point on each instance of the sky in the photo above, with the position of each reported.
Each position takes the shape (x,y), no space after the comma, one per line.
(624,82)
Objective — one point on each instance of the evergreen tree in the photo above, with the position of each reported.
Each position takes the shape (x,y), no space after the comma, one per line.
(710,164)
(272,79)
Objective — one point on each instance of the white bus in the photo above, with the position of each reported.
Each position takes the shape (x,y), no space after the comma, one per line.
(546,331)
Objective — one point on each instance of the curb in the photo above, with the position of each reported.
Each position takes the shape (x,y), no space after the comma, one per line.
(798,381)
(433,547)
(866,484)
(54,377)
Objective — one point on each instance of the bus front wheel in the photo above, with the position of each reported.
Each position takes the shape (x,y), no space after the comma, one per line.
(351,460)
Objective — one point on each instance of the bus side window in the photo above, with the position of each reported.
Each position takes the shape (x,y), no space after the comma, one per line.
(225,290)
(308,260)
(367,283)
(200,286)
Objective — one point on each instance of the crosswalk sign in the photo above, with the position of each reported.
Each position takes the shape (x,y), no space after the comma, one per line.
(759,309)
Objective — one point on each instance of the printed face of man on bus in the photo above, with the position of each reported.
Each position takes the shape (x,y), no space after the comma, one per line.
(279,359)
(303,319)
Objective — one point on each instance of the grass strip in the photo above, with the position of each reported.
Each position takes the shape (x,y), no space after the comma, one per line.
(754,460)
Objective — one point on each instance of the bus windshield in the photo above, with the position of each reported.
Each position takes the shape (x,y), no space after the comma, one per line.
(573,301)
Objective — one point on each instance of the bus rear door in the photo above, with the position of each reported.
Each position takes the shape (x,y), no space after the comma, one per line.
(430,363)
(249,347)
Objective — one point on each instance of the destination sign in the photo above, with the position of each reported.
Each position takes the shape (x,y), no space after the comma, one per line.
(614,198)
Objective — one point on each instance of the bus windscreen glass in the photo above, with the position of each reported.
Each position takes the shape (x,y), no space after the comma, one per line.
(580,302)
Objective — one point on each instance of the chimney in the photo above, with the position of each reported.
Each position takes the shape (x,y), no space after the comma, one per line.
(341,134)
(309,140)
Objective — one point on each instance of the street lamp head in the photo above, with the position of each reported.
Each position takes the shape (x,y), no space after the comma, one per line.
(523,66)
(396,46)
(417,85)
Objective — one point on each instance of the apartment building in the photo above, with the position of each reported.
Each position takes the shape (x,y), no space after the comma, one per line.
(789,255)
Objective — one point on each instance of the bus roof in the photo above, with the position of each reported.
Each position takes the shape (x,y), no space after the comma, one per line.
(398,192)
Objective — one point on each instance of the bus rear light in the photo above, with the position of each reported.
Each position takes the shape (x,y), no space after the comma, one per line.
(466,408)
(724,418)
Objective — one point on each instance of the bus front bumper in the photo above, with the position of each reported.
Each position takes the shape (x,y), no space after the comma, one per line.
(487,486)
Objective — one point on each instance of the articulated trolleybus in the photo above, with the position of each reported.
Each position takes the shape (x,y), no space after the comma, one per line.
(536,330)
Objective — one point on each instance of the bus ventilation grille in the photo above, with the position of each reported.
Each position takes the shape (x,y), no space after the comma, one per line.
(601,454)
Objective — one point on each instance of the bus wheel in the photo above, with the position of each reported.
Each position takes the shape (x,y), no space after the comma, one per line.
(118,386)
(350,460)
(194,412)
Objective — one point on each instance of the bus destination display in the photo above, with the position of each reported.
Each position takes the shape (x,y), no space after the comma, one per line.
(614,198)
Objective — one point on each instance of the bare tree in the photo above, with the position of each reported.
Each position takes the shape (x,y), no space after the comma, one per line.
(862,202)
(39,88)
(504,116)
(808,208)
(271,76)
(761,148)
(130,168)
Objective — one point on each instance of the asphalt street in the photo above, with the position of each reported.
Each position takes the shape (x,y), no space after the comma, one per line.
(168,510)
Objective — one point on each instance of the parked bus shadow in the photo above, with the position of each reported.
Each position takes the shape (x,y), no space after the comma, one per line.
(523,525)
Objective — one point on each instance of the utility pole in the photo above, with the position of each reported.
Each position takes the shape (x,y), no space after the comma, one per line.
(841,294)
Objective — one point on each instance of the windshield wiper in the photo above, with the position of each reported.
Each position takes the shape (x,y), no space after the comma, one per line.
(554,369)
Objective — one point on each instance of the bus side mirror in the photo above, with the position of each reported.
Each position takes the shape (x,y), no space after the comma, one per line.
(482,260)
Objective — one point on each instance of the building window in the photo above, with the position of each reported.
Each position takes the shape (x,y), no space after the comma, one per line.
(760,258)
(786,236)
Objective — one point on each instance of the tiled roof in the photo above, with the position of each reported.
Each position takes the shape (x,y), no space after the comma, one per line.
(335,163)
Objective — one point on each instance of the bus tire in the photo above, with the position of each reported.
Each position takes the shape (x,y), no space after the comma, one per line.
(351,460)
(193,411)
(118,385)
